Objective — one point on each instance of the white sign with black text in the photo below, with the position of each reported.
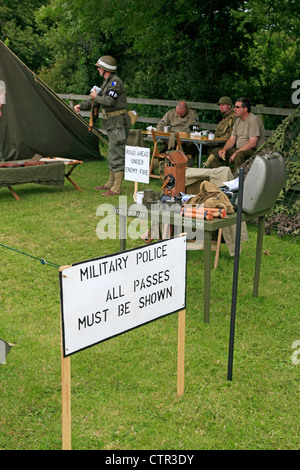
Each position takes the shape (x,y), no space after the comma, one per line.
(107,296)
(137,162)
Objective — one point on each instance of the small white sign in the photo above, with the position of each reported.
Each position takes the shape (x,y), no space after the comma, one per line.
(137,162)
(105,297)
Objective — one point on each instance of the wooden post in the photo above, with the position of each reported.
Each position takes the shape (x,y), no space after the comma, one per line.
(262,116)
(65,394)
(180,357)
(66,401)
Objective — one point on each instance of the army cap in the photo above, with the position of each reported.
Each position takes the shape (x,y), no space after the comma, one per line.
(107,63)
(225,100)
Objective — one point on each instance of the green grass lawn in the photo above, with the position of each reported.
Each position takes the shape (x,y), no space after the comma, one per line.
(124,389)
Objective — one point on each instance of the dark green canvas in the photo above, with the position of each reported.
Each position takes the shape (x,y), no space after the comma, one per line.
(52,174)
(36,121)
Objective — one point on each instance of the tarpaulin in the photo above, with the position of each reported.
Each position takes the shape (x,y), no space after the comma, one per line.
(34,120)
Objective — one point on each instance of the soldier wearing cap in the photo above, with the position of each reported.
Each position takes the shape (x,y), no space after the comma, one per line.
(116,121)
(225,126)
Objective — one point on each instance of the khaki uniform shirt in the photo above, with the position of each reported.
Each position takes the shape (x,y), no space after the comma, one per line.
(225,126)
(111,98)
(177,123)
(251,127)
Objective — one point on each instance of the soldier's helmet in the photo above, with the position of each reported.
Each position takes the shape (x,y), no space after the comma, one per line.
(107,63)
(225,100)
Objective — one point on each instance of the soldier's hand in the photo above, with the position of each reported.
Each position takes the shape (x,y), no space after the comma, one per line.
(222,154)
(231,159)
(77,108)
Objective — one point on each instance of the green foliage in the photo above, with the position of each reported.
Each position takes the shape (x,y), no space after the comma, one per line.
(20,32)
(275,55)
(286,141)
(182,49)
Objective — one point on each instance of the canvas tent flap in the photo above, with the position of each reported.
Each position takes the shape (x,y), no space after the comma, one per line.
(34,120)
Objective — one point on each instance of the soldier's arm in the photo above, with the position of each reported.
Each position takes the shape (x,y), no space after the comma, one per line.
(108,99)
(163,122)
(83,106)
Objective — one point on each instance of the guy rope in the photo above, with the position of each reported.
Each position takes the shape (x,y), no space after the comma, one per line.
(42,260)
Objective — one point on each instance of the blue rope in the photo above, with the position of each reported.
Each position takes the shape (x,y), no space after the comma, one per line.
(42,260)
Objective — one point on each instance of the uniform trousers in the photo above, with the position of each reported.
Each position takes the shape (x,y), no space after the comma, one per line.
(116,148)
(214,161)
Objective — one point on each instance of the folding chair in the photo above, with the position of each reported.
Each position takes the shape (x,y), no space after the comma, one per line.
(157,154)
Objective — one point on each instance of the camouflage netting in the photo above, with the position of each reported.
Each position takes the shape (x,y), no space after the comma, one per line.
(285,216)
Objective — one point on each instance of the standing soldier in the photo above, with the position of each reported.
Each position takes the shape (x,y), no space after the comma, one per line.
(116,121)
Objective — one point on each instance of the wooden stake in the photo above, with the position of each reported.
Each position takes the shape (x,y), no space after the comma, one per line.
(181,348)
(65,393)
(66,401)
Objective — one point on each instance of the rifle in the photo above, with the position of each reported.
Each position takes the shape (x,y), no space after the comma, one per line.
(93,115)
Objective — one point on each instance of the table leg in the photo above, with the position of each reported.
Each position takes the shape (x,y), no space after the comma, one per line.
(199,147)
(200,155)
(207,274)
(259,243)
(67,175)
(14,193)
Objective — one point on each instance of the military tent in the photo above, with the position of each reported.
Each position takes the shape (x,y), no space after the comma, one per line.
(34,120)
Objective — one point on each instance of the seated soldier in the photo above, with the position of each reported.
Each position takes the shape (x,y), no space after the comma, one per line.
(224,127)
(247,135)
(181,119)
